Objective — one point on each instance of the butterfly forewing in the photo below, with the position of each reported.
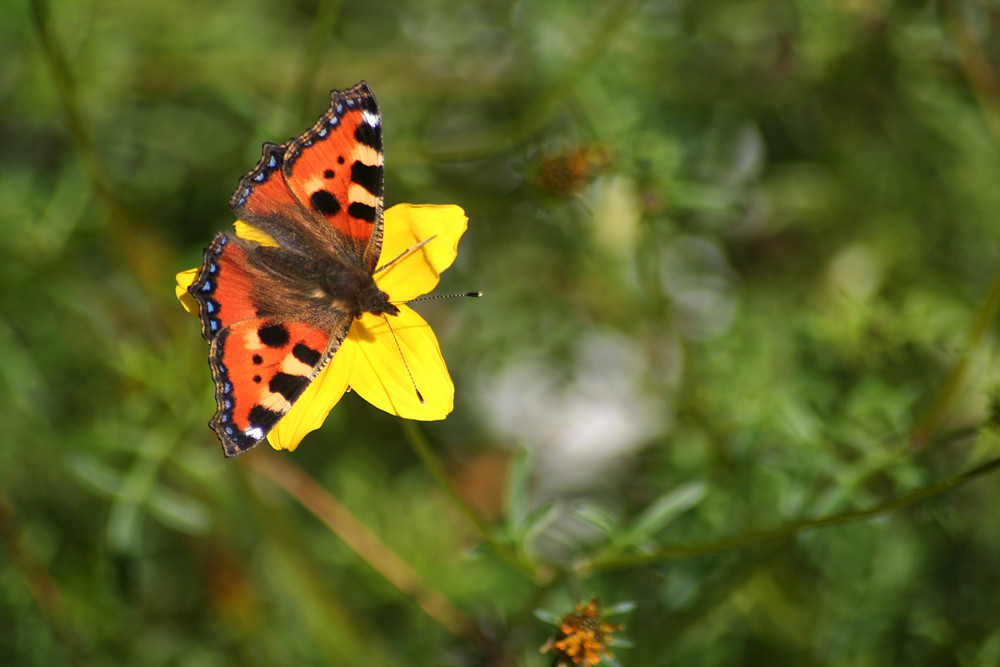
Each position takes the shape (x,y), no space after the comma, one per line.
(336,170)
(333,172)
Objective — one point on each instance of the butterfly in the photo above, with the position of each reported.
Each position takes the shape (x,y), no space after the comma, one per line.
(274,315)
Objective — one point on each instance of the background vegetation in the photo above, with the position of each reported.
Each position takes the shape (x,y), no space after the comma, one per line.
(740,262)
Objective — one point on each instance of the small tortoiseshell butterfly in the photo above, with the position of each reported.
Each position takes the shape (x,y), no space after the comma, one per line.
(275,315)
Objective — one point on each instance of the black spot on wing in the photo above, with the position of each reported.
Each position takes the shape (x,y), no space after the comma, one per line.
(369,136)
(367,102)
(328,173)
(273,335)
(289,386)
(367,176)
(324,202)
(362,211)
(264,418)
(306,354)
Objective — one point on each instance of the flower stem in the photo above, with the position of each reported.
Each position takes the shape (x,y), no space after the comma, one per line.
(750,539)
(440,475)
(982,81)
(932,418)
(358,537)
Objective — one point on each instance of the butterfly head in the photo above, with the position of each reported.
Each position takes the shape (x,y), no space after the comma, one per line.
(373,300)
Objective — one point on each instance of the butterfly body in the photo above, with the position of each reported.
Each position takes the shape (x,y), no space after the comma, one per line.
(314,284)
(276,313)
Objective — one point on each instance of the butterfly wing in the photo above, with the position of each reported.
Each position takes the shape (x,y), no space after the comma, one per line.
(322,191)
(261,359)
(260,368)
(223,286)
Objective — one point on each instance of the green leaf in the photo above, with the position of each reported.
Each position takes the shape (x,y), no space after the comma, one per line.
(96,475)
(537,522)
(663,510)
(179,511)
(547,616)
(519,490)
(124,528)
(620,608)
(593,514)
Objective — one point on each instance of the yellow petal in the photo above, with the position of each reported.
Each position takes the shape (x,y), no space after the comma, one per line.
(309,412)
(380,377)
(184,280)
(406,225)
(250,233)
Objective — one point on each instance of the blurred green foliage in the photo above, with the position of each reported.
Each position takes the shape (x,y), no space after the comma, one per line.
(740,261)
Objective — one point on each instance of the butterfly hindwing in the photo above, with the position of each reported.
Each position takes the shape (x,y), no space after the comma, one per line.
(223,286)
(261,361)
(261,367)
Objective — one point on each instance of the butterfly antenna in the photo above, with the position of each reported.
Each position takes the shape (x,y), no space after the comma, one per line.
(431,297)
(403,356)
(404,254)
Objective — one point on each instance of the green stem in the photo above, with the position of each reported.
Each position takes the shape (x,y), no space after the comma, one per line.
(356,535)
(436,469)
(932,419)
(982,81)
(676,553)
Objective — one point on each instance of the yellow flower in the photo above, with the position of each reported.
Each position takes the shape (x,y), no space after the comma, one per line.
(369,361)
(583,637)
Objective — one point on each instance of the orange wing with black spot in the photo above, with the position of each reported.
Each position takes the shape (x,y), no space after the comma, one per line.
(261,361)
(323,188)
